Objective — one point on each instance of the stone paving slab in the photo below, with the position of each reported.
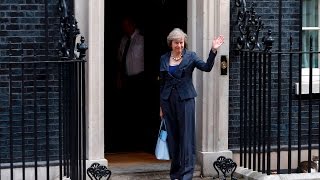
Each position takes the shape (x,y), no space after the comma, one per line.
(150,171)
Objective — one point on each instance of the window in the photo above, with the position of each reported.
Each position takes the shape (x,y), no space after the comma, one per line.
(310,28)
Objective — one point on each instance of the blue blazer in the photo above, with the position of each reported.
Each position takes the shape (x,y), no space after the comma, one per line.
(181,79)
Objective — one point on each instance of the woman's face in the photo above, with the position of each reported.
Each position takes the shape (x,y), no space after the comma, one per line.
(177,45)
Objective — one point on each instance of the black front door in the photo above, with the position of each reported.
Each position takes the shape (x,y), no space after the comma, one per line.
(156,20)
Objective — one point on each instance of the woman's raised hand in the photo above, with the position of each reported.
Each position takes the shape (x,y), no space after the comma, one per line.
(217,42)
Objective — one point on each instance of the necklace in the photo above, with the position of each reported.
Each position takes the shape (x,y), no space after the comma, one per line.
(177,58)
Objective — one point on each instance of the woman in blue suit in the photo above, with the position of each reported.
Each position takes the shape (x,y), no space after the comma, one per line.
(177,100)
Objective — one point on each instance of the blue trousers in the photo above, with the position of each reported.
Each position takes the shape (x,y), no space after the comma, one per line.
(179,116)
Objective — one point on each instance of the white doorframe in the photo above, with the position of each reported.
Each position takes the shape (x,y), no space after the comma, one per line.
(206,20)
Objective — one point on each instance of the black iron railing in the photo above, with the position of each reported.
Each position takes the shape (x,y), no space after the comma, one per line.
(42,101)
(279,101)
(43,118)
(276,119)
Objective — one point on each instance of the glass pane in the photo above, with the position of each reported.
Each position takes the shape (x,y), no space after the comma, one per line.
(306,47)
(310,13)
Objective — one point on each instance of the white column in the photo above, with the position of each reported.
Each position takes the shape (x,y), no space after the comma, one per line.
(212,19)
(90,16)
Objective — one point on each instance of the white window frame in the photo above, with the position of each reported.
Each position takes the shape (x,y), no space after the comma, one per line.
(305,81)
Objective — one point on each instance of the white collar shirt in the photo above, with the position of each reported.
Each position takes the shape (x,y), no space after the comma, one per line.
(135,54)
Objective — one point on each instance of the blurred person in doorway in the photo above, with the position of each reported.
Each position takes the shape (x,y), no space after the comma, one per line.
(130,54)
(131,80)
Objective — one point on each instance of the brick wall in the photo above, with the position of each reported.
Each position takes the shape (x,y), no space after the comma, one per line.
(268,10)
(23,23)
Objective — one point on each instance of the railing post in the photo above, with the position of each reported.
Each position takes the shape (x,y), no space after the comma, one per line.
(82,48)
(250,25)
(267,42)
(76,153)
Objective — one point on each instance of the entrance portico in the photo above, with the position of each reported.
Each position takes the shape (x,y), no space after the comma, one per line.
(206,20)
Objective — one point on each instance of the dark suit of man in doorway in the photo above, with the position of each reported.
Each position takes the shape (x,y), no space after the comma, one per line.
(132,80)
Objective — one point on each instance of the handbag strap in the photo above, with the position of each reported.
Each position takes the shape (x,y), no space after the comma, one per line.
(163,123)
